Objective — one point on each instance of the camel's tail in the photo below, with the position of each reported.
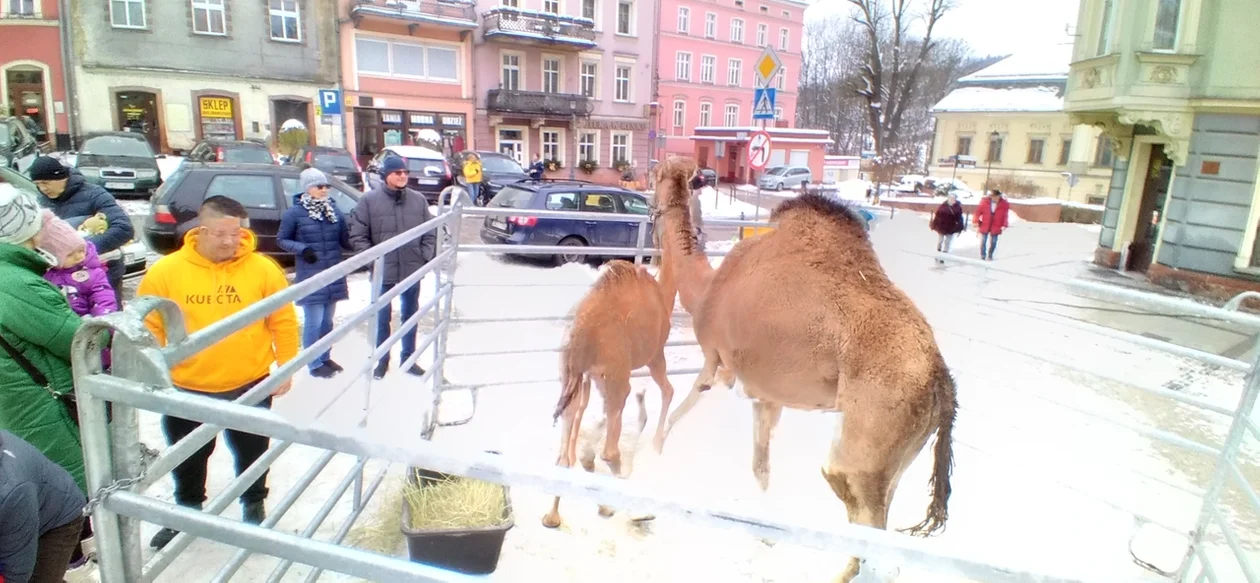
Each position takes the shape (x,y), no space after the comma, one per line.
(572,376)
(943,464)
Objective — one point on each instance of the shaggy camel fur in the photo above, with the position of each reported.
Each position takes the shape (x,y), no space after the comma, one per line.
(622,324)
(844,338)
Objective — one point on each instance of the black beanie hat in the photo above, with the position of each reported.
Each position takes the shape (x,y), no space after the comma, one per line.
(47,168)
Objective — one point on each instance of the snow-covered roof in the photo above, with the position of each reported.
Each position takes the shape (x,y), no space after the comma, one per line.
(1021,99)
(1043,63)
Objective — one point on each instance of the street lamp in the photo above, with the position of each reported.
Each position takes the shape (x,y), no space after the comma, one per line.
(992,137)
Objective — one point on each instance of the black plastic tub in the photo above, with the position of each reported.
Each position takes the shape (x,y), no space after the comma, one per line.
(472,551)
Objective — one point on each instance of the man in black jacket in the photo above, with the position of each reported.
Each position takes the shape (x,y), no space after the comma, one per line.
(382,213)
(75,200)
(41,514)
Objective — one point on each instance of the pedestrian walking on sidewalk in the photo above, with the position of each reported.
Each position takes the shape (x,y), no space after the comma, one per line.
(992,218)
(384,212)
(947,221)
(41,514)
(472,177)
(216,274)
(315,232)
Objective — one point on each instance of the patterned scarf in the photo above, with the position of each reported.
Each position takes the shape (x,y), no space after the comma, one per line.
(320,209)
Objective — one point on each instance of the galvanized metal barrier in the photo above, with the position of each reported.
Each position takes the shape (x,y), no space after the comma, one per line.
(120,469)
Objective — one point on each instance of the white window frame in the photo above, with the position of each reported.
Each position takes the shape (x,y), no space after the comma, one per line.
(629,81)
(737,32)
(763,32)
(520,67)
(559,7)
(612,147)
(524,140)
(389,52)
(542,71)
(706,114)
(710,25)
(511,3)
(784,39)
(36,10)
(680,113)
(144,14)
(1176,33)
(295,14)
(735,72)
(594,146)
(1105,27)
(778,113)
(711,69)
(682,66)
(562,135)
(730,115)
(634,9)
(211,7)
(595,84)
(781,79)
(684,20)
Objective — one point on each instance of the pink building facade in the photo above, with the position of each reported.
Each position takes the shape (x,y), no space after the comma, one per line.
(569,82)
(407,68)
(707,52)
(32,81)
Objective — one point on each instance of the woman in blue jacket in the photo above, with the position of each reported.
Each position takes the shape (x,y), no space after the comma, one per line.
(315,232)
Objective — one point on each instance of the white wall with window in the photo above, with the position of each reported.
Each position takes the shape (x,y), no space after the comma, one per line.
(783,39)
(710,25)
(552,74)
(20,8)
(286,20)
(431,61)
(588,146)
(706,114)
(1167,25)
(209,17)
(682,66)
(762,32)
(589,77)
(621,83)
(511,69)
(731,117)
(551,6)
(734,72)
(684,19)
(127,14)
(553,141)
(737,30)
(619,147)
(680,114)
(625,17)
(708,63)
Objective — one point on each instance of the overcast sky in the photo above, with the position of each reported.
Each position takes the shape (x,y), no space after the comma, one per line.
(993,27)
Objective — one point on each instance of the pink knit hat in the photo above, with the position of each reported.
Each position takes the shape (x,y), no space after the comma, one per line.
(59,239)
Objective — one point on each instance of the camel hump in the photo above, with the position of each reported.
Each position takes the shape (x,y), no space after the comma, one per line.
(843,215)
(616,271)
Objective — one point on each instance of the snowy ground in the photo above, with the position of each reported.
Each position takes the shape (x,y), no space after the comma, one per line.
(1040,477)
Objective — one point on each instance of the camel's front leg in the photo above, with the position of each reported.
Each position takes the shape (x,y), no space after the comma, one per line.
(704,381)
(660,375)
(616,389)
(568,444)
(765,418)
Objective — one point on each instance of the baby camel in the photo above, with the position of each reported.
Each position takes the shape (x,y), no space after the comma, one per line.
(843,338)
(622,324)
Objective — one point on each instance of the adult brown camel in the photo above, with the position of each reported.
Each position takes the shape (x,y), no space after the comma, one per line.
(622,324)
(805,317)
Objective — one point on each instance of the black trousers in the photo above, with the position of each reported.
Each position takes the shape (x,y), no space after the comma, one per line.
(52,557)
(190,476)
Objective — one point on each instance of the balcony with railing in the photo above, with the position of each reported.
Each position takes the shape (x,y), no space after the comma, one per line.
(506,101)
(538,28)
(452,14)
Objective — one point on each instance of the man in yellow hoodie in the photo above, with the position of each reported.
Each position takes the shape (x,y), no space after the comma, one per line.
(214,275)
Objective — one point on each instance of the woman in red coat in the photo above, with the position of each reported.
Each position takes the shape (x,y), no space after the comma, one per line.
(992,217)
(947,221)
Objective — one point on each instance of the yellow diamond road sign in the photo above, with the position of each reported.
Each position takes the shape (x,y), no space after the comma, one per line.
(767,66)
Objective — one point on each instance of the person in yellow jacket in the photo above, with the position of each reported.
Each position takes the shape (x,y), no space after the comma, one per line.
(472,175)
(214,275)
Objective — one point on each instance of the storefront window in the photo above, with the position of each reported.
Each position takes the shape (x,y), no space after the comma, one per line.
(218,117)
(376,129)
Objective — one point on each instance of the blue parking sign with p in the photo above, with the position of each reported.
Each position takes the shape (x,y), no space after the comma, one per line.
(330,101)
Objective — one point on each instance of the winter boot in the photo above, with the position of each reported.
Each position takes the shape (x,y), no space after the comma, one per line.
(164,536)
(254,512)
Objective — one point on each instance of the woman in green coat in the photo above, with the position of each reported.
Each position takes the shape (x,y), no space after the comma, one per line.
(37,322)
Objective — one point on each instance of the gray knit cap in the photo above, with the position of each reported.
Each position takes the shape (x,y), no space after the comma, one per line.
(20,216)
(312,177)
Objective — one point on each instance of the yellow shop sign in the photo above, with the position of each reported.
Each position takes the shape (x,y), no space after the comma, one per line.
(216,107)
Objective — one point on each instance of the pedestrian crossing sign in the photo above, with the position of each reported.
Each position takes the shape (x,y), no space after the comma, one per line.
(763,103)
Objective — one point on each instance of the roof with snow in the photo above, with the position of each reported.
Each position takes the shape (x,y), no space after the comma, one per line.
(994,99)
(1046,63)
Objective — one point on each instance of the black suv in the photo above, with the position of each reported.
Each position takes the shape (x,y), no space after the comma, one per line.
(336,162)
(430,173)
(265,190)
(234,151)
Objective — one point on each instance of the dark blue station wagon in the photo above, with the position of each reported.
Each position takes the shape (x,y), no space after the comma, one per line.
(566,195)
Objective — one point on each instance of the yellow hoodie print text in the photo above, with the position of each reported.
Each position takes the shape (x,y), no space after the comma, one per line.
(208,292)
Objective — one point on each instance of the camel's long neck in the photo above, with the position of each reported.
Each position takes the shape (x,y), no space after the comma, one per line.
(687,265)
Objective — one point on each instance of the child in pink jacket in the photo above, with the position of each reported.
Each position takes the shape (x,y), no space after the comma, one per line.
(79,274)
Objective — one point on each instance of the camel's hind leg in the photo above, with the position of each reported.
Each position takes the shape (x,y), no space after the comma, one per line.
(615,387)
(704,381)
(661,377)
(568,444)
(765,419)
(867,457)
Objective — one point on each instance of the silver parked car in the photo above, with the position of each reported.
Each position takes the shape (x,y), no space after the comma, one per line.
(783,177)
